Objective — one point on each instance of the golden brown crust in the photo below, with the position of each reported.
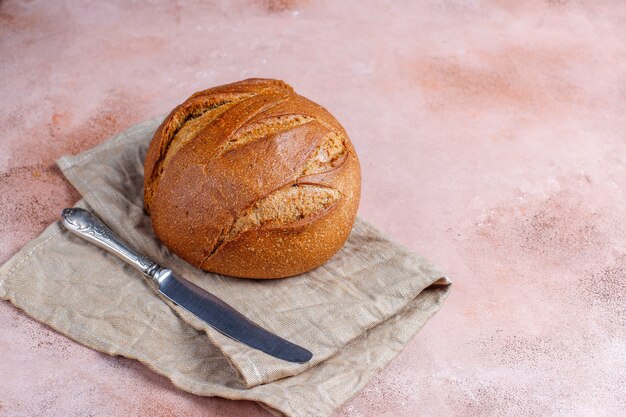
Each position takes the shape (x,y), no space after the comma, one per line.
(219,164)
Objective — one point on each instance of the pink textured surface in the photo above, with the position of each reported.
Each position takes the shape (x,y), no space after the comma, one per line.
(492,137)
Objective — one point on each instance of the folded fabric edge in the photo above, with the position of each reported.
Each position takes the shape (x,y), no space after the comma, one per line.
(443,292)
(15,261)
(408,315)
(433,279)
(443,281)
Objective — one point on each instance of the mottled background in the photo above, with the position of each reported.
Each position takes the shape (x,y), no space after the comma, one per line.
(492,136)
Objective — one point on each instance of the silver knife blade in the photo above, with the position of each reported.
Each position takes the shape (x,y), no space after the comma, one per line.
(228,321)
(207,307)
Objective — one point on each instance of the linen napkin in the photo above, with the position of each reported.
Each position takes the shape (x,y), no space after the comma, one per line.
(355,313)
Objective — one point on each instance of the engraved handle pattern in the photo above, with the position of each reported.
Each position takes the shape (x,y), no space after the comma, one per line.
(84,224)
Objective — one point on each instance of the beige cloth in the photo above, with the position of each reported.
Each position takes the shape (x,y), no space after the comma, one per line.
(355,313)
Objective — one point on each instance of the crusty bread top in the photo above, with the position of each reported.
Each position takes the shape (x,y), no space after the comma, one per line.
(243,156)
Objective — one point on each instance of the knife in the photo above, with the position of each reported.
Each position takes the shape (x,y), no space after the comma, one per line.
(204,305)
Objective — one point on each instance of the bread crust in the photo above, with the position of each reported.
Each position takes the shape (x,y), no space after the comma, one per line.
(251,139)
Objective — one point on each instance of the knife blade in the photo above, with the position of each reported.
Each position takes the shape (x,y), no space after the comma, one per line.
(204,305)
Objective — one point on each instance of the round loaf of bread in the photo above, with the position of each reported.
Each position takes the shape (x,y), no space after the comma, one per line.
(252,180)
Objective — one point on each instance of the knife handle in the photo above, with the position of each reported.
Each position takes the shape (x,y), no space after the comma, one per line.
(84,224)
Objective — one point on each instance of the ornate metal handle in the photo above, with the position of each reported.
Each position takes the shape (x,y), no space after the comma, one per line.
(84,224)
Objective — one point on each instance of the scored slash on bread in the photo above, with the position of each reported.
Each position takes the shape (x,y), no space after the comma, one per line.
(252,180)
